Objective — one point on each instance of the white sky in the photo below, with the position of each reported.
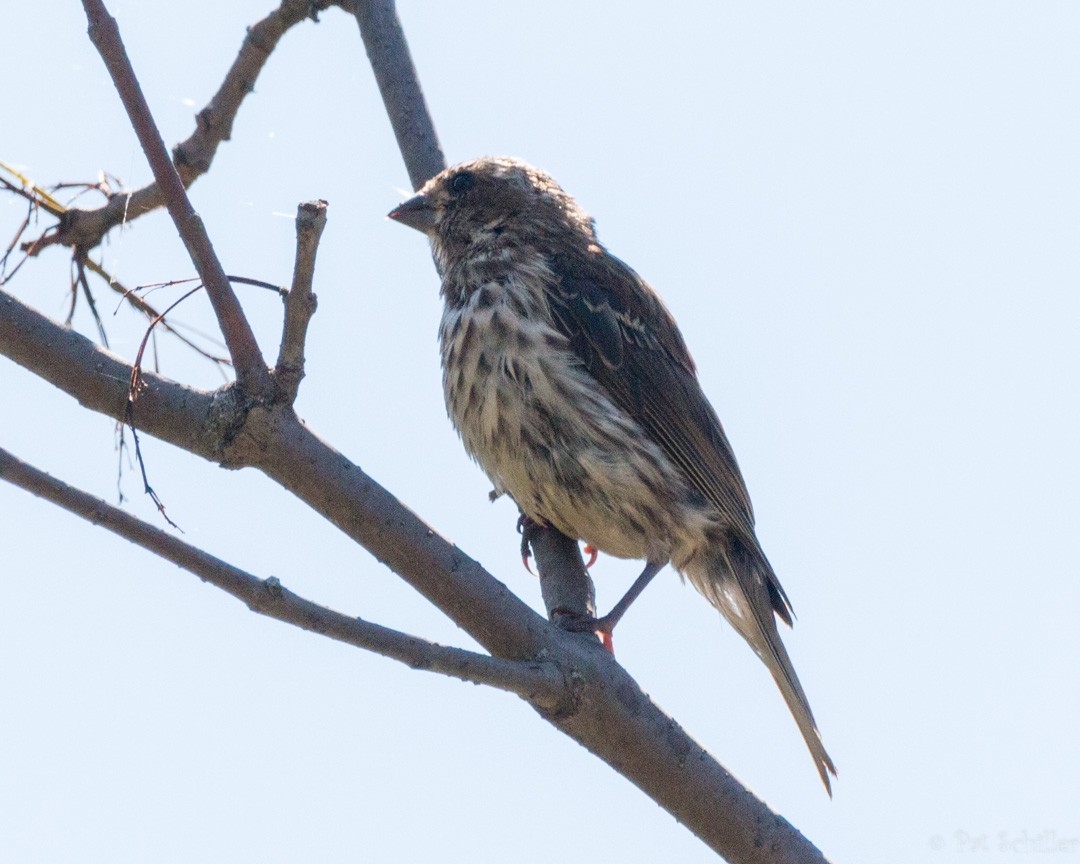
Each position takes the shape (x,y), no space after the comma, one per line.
(866,219)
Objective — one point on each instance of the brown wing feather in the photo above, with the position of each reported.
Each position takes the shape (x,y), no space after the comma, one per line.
(631,345)
(629,342)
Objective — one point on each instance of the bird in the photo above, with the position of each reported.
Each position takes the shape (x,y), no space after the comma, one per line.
(571,385)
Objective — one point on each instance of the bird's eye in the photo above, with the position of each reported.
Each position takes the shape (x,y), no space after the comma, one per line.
(462,182)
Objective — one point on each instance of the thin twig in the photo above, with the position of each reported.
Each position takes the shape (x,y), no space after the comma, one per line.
(30,209)
(131,297)
(39,198)
(135,384)
(539,682)
(79,263)
(134,388)
(300,302)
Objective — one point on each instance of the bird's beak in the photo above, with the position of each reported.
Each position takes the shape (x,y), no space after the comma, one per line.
(418,212)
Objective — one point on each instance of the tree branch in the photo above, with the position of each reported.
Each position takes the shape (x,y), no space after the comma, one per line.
(565,585)
(84,228)
(226,428)
(251,371)
(541,683)
(300,302)
(609,714)
(388,52)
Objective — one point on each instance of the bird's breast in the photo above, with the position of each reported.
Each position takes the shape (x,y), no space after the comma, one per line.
(504,367)
(546,432)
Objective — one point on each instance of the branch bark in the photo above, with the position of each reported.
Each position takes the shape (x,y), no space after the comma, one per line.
(300,302)
(608,713)
(541,683)
(84,228)
(251,371)
(388,53)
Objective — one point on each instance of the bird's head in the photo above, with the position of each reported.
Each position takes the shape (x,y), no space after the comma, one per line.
(491,202)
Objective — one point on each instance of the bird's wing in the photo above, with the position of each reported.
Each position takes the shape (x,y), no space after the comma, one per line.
(629,342)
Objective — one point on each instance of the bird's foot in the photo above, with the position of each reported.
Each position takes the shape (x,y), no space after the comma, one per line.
(527,528)
(576,622)
(602,627)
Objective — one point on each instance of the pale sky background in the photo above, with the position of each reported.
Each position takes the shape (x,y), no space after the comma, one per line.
(866,218)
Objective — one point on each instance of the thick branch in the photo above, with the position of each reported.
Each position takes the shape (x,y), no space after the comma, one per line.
(251,371)
(565,585)
(395,74)
(224,428)
(541,683)
(99,380)
(609,714)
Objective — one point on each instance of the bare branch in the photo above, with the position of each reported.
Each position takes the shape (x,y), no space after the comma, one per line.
(79,281)
(134,388)
(225,428)
(300,302)
(609,714)
(98,379)
(392,64)
(131,297)
(567,590)
(539,682)
(251,371)
(84,228)
(42,199)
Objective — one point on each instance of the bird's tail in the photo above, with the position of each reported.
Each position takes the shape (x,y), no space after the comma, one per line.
(738,580)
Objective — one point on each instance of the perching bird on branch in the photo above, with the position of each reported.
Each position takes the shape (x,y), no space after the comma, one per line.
(571,385)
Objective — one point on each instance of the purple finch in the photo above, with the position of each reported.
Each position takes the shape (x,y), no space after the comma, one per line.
(570,384)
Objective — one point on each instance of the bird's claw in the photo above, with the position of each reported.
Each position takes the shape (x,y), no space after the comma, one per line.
(592,552)
(577,623)
(526,527)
